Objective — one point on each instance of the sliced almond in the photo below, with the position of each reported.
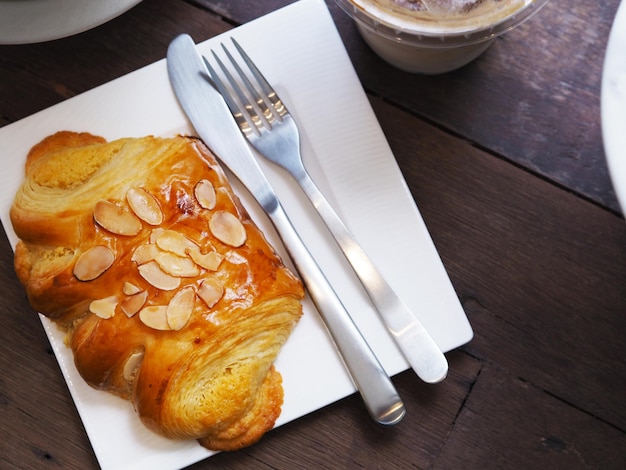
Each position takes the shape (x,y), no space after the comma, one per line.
(211,291)
(115,219)
(155,317)
(130,289)
(176,265)
(180,308)
(152,273)
(93,262)
(145,206)
(174,242)
(132,364)
(104,308)
(205,194)
(133,303)
(155,234)
(210,260)
(145,253)
(227,228)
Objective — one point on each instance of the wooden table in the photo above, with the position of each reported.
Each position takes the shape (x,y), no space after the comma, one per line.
(505,161)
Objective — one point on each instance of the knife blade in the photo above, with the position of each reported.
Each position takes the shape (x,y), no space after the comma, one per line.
(212,120)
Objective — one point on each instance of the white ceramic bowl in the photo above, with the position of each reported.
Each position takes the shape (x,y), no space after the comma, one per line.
(33,21)
(423,42)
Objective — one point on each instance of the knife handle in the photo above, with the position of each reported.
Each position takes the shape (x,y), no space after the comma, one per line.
(416,344)
(378,392)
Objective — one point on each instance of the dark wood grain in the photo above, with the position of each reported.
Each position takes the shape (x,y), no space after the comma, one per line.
(542,271)
(515,98)
(504,159)
(510,423)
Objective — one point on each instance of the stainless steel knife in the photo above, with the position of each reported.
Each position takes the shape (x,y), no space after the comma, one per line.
(213,122)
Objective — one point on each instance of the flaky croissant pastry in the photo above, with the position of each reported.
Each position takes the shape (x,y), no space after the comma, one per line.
(170,295)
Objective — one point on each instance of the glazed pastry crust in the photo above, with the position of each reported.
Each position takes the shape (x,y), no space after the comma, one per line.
(209,376)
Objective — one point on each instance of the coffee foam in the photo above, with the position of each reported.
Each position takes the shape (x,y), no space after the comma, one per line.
(441,16)
(440,7)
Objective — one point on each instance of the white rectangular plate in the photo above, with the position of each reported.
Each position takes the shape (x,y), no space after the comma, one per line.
(301,54)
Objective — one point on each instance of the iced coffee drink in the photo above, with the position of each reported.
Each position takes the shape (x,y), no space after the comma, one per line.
(435,36)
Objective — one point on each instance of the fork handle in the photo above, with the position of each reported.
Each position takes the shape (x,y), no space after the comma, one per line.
(416,344)
(379,395)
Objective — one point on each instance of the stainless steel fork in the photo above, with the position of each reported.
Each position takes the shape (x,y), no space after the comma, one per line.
(272,131)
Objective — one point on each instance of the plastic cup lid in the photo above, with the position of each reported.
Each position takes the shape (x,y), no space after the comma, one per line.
(397,19)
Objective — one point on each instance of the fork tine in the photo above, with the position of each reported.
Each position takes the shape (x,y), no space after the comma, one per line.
(277,106)
(241,116)
(257,102)
(251,110)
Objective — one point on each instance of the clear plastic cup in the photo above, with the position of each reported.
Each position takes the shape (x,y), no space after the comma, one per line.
(435,36)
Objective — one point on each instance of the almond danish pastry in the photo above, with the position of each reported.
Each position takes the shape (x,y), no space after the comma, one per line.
(170,295)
